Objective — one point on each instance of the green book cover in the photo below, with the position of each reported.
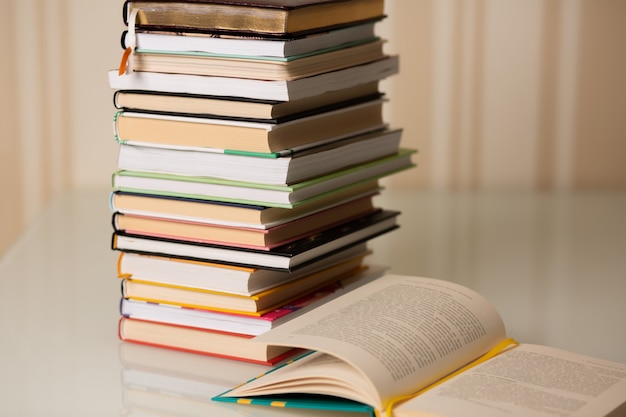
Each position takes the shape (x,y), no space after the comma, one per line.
(315,402)
(259,58)
(311,190)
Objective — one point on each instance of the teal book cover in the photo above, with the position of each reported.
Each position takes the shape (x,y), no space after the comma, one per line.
(260,58)
(302,401)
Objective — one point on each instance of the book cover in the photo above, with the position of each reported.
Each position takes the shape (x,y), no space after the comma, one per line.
(294,195)
(132,202)
(240,108)
(248,45)
(139,128)
(264,239)
(226,213)
(282,168)
(271,18)
(255,67)
(283,90)
(218,276)
(255,304)
(288,257)
(243,323)
(208,342)
(208,319)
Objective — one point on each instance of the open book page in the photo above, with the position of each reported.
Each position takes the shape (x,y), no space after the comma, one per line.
(400,334)
(313,373)
(529,381)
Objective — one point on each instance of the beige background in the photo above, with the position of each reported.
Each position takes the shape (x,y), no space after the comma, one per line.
(494,93)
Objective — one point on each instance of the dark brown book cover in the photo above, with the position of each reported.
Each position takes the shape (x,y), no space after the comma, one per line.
(280,18)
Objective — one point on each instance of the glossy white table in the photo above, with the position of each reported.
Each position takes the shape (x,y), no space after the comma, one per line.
(553,264)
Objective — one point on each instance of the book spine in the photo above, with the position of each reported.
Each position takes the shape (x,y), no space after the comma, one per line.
(116,134)
(125,7)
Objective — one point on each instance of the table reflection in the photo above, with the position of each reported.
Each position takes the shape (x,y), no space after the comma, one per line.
(159,382)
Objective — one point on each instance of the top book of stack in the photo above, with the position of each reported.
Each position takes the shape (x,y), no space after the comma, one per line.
(281,18)
(276,50)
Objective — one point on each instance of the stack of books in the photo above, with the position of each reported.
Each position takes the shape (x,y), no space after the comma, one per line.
(251,146)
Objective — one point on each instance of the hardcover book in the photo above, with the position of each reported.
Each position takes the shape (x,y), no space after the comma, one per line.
(243,323)
(376,348)
(221,277)
(168,130)
(209,342)
(269,17)
(230,214)
(281,168)
(217,320)
(286,196)
(197,105)
(238,236)
(256,304)
(282,90)
(249,45)
(255,67)
(288,257)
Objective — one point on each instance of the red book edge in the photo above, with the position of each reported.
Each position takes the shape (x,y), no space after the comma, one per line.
(271,362)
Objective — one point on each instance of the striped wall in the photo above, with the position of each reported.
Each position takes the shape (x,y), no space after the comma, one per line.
(56,111)
(494,94)
(511,93)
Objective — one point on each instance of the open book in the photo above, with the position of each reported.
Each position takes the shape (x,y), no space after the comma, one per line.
(410,346)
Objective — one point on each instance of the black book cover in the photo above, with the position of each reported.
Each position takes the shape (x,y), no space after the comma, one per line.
(192,200)
(287,118)
(289,250)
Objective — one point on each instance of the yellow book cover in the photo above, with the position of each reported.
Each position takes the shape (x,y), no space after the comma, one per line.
(256,304)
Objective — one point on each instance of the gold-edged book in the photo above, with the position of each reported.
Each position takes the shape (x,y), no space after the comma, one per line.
(271,17)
